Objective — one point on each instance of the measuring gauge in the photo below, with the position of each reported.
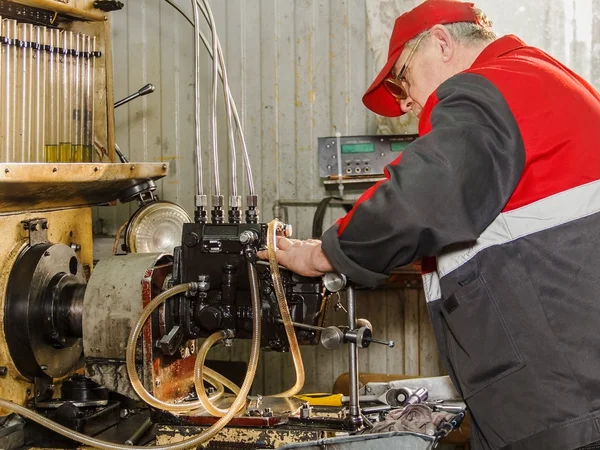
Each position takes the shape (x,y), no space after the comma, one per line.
(156,227)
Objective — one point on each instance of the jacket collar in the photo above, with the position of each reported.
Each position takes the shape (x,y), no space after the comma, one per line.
(498,48)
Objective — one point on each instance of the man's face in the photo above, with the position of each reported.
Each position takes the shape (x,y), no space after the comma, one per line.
(423,73)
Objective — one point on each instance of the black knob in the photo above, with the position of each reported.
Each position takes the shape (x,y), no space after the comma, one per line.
(210,318)
(191,239)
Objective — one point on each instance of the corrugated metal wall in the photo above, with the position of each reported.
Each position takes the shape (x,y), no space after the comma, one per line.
(297,70)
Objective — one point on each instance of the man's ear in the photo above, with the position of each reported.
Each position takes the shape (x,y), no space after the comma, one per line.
(443,42)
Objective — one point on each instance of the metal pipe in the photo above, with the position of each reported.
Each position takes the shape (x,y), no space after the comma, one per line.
(236,116)
(353,406)
(228,101)
(213,116)
(230,105)
(200,187)
(303,325)
(139,432)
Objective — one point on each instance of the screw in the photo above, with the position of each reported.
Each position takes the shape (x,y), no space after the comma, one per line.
(164,166)
(131,168)
(55,169)
(3,371)
(6,170)
(96,169)
(46,253)
(45,225)
(157,382)
(76,247)
(44,367)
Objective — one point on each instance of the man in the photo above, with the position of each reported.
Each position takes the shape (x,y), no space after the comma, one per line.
(503,190)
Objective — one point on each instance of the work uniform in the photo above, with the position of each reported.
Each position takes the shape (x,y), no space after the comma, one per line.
(502,189)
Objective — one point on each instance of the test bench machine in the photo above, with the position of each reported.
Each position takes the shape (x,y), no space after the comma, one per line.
(83,342)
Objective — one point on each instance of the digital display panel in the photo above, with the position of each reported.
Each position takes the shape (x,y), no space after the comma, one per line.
(398,146)
(366,147)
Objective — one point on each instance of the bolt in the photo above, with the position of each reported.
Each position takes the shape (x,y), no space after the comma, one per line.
(164,166)
(131,168)
(3,371)
(46,253)
(157,382)
(76,247)
(45,225)
(44,367)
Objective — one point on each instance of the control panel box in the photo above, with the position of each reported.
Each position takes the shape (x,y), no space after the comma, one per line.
(361,156)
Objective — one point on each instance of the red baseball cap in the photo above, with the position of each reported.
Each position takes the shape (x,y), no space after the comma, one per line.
(409,25)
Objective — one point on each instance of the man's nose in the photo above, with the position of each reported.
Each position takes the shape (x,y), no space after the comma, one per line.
(406,104)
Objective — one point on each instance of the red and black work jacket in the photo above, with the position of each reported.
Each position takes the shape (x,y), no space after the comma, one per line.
(502,189)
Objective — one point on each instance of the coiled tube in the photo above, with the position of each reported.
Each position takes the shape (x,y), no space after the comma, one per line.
(220,389)
(226,382)
(130,355)
(199,368)
(285,312)
(200,375)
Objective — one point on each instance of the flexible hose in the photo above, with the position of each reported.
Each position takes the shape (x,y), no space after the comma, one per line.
(130,355)
(220,389)
(216,376)
(200,375)
(190,443)
(284,311)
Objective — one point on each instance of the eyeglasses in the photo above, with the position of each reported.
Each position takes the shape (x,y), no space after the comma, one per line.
(396,85)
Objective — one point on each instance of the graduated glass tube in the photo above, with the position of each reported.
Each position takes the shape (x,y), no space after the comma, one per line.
(76,116)
(24,93)
(9,93)
(86,91)
(88,104)
(66,97)
(52,96)
(39,95)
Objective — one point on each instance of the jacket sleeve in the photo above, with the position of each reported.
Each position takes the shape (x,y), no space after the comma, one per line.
(445,188)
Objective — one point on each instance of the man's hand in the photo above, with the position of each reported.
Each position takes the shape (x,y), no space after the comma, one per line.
(302,257)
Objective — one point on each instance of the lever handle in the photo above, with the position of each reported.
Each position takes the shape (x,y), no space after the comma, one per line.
(148,89)
(390,344)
